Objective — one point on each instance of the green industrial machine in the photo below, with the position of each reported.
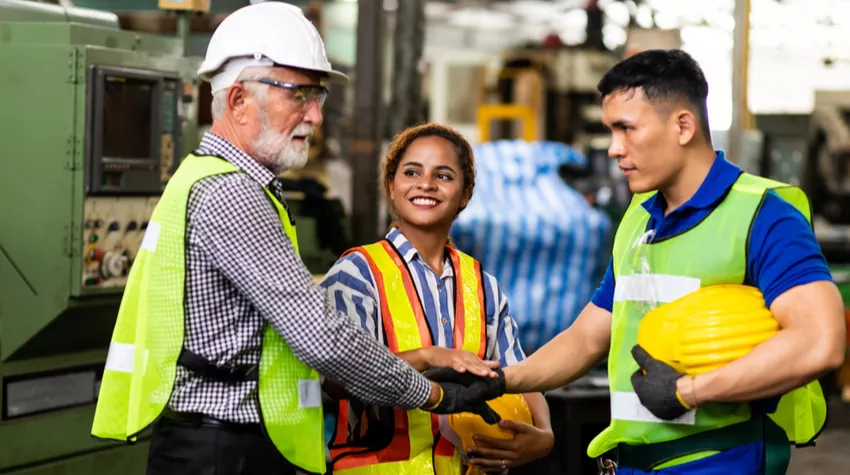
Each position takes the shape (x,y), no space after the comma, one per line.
(95,119)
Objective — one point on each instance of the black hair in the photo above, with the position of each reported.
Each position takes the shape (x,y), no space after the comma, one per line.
(663,75)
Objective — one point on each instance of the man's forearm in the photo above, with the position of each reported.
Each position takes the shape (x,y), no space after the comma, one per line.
(336,347)
(784,362)
(568,356)
(564,359)
(810,344)
(370,372)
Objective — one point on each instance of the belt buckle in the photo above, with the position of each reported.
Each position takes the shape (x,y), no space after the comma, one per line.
(606,466)
(231,371)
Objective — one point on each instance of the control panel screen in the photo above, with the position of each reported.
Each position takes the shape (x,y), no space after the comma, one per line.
(133,129)
(128,117)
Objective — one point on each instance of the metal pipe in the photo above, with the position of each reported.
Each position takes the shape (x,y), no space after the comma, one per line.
(183,30)
(409,38)
(741,117)
(595,20)
(368,109)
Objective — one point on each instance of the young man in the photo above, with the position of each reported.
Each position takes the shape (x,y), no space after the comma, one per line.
(713,223)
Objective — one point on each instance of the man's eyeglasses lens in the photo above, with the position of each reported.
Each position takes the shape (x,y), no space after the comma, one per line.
(303,93)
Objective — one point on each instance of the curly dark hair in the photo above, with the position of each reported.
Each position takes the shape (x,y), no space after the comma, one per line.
(402,141)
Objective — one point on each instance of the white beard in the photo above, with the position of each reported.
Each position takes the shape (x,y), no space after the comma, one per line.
(278,152)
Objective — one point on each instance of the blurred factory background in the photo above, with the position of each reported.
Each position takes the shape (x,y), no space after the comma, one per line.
(101,102)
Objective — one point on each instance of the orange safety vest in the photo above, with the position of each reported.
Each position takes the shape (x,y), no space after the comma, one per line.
(411,442)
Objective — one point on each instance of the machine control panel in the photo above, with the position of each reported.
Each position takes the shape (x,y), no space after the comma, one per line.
(113,228)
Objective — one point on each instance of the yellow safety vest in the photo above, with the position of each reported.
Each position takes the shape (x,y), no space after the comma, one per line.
(712,252)
(148,338)
(411,443)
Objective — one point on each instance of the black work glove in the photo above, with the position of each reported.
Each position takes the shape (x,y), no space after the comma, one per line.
(656,389)
(466,392)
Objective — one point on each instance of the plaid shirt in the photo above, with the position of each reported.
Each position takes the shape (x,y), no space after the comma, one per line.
(243,272)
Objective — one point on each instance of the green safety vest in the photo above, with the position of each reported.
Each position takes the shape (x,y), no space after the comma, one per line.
(148,338)
(712,252)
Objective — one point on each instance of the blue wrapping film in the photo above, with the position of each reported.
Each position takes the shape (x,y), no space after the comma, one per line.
(547,246)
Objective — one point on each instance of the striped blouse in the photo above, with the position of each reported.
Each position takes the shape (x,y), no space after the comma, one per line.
(352,290)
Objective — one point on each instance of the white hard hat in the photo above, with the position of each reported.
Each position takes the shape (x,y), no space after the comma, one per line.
(264,34)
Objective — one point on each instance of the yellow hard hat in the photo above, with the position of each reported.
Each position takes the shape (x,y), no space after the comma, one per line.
(466,425)
(509,406)
(707,328)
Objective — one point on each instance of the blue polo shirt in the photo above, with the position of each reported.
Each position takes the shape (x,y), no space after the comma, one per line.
(783,253)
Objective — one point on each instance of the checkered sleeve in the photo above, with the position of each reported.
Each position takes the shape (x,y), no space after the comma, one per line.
(245,239)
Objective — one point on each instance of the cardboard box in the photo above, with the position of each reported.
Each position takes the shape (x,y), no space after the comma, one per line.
(191,5)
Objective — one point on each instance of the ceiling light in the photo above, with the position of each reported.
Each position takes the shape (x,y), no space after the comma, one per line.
(644,16)
(618,13)
(481,18)
(613,36)
(666,21)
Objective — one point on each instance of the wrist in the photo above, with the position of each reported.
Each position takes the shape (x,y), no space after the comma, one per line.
(435,398)
(544,426)
(688,387)
(512,383)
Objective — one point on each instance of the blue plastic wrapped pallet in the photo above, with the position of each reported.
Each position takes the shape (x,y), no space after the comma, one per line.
(541,239)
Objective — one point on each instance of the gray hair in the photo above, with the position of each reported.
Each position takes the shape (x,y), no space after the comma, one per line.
(219,98)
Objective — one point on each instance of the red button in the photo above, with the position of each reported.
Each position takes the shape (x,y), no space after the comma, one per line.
(96,254)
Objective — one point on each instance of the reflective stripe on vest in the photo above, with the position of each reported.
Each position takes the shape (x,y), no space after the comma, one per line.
(148,336)
(406,329)
(712,252)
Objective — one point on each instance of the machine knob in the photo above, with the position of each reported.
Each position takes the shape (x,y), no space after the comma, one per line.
(113,265)
(114,226)
(95,254)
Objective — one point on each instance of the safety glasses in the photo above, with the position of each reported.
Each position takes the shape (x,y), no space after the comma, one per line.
(302,94)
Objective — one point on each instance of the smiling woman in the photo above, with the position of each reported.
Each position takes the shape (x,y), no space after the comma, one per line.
(433,306)
(429,175)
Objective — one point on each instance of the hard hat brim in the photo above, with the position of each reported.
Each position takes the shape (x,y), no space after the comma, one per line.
(335,77)
(207,71)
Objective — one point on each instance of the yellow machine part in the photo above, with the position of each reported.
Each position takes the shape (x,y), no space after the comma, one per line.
(708,328)
(466,425)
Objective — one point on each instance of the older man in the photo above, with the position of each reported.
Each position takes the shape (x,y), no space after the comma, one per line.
(222,331)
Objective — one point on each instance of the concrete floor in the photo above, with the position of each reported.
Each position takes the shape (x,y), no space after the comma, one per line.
(831,455)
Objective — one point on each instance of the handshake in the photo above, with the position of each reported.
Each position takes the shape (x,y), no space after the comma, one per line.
(466,392)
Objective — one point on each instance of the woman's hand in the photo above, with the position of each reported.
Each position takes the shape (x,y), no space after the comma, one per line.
(497,455)
(459,360)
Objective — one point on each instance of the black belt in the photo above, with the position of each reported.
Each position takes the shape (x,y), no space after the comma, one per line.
(202,420)
(646,457)
(230,374)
